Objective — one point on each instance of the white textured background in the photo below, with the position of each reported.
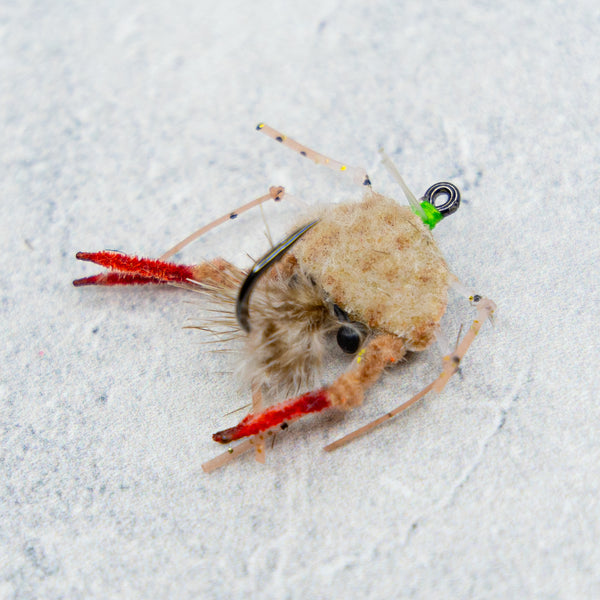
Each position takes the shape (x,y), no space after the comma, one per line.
(127,125)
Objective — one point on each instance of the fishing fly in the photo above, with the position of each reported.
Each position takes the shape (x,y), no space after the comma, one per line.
(367,273)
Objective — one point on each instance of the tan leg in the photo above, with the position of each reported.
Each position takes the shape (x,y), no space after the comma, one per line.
(230,454)
(258,406)
(275,193)
(131,270)
(357,174)
(485,310)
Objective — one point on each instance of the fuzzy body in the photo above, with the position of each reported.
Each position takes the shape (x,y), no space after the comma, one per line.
(290,318)
(374,259)
(378,262)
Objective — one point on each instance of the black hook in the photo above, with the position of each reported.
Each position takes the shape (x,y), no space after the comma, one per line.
(242,306)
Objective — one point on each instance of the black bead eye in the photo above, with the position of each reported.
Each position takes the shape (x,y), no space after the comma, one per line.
(348,339)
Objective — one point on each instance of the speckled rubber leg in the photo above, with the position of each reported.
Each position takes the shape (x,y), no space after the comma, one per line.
(125,269)
(276,193)
(485,310)
(357,174)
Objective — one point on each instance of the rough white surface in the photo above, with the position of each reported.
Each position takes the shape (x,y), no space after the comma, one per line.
(127,125)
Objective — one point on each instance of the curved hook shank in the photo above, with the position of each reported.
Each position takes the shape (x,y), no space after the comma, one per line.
(243,301)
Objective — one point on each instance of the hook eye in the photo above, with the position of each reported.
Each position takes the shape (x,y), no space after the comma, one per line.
(449,190)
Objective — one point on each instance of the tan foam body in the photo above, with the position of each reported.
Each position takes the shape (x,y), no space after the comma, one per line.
(377,261)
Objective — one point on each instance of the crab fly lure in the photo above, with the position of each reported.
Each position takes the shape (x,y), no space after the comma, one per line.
(367,271)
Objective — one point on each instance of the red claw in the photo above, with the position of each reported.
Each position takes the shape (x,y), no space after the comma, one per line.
(275,415)
(131,270)
(114,279)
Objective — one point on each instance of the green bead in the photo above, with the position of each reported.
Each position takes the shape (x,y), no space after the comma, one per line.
(431,215)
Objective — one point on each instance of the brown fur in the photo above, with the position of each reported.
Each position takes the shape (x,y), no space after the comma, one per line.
(290,317)
(375,259)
